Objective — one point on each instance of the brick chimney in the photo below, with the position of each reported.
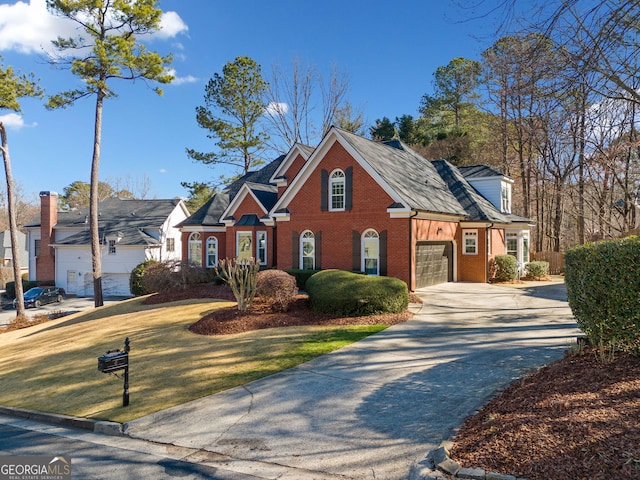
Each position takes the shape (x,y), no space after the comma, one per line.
(46,261)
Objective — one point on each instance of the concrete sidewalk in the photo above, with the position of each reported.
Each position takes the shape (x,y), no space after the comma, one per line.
(374,409)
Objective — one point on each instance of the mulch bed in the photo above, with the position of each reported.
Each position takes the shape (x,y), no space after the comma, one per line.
(224,321)
(577,418)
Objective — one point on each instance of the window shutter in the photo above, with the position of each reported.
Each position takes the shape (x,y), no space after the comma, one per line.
(324,191)
(318,250)
(295,250)
(348,184)
(382,245)
(355,248)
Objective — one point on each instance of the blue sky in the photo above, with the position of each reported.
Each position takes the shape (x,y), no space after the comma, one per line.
(389,50)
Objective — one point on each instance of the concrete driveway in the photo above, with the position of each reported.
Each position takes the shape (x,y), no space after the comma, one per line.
(374,409)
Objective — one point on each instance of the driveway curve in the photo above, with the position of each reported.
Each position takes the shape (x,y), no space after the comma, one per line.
(374,409)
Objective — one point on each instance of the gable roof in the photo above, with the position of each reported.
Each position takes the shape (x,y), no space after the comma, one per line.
(264,195)
(298,149)
(209,213)
(262,176)
(410,180)
(128,220)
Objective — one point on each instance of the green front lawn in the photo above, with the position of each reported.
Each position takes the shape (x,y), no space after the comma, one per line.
(53,366)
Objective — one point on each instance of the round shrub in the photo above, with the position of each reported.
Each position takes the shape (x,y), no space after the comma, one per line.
(338,292)
(603,289)
(276,288)
(505,268)
(135,280)
(537,269)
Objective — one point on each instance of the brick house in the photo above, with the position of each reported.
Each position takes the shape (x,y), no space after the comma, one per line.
(354,204)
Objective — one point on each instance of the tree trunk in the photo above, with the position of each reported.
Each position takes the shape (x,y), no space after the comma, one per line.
(96,254)
(13,227)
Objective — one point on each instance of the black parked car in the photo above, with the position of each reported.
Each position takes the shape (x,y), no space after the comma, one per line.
(36,296)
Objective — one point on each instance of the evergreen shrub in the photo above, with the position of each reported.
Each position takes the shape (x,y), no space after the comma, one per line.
(505,268)
(338,292)
(603,289)
(537,270)
(301,276)
(135,279)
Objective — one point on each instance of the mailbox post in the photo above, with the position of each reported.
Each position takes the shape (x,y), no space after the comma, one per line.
(115,360)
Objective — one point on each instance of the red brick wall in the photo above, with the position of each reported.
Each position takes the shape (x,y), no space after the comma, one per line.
(473,268)
(370,203)
(45,263)
(222,245)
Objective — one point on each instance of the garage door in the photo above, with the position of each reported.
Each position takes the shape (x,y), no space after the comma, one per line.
(434,263)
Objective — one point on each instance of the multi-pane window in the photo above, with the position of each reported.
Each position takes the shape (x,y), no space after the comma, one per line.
(371,252)
(525,247)
(36,248)
(171,244)
(261,247)
(470,241)
(512,244)
(307,251)
(244,246)
(505,197)
(337,190)
(212,252)
(195,249)
(111,246)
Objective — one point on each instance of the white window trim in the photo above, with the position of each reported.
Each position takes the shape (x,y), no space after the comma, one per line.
(170,244)
(505,197)
(194,238)
(369,234)
(305,237)
(214,241)
(471,233)
(335,177)
(261,234)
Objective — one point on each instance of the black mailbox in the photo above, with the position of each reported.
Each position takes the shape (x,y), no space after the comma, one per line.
(113,361)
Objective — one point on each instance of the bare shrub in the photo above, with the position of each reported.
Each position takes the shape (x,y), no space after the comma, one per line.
(172,275)
(241,277)
(276,288)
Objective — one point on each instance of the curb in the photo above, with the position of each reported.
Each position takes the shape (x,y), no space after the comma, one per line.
(96,426)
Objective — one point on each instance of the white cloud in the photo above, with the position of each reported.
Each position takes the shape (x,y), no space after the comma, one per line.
(277,108)
(28,27)
(12,120)
(163,170)
(177,80)
(171,25)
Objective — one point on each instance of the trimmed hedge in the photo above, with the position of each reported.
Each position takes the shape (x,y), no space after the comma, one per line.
(301,276)
(537,269)
(338,292)
(506,268)
(135,279)
(603,289)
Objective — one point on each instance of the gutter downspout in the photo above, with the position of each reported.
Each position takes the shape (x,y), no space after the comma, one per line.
(486,264)
(411,246)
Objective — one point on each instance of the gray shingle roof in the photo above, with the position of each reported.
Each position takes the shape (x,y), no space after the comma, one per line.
(412,177)
(209,213)
(132,221)
(479,171)
(477,207)
(259,176)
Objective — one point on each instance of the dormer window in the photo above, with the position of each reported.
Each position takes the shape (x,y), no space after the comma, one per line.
(337,190)
(505,198)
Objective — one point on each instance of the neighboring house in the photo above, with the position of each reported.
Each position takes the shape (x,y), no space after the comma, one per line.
(6,257)
(354,204)
(131,231)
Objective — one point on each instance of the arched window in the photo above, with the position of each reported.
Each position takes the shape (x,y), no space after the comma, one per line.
(307,250)
(371,252)
(195,249)
(336,190)
(212,252)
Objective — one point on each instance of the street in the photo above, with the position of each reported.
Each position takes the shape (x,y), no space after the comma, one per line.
(98,457)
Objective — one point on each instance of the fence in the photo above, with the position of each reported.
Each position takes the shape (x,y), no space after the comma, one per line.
(555,259)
